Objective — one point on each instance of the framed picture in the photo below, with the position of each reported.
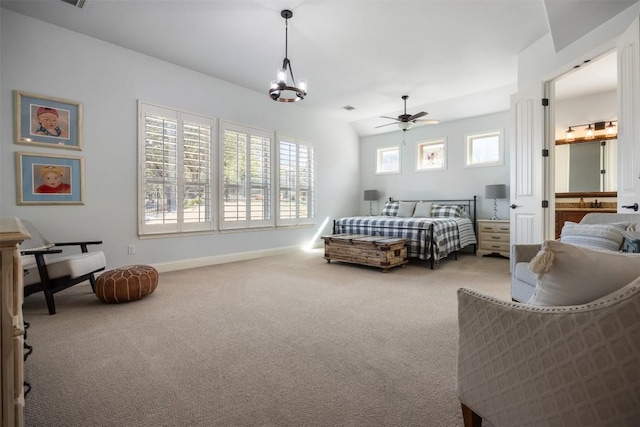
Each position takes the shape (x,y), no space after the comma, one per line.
(44,179)
(47,122)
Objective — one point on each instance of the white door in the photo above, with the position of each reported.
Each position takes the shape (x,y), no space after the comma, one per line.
(527,167)
(629,118)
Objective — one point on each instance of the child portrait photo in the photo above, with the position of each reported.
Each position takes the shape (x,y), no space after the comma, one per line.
(45,179)
(47,122)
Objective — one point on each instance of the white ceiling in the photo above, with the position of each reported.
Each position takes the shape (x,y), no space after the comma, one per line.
(454,58)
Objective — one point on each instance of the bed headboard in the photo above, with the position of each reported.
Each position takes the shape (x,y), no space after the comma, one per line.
(469,205)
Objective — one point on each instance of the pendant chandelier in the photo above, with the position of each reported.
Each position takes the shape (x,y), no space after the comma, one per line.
(281,90)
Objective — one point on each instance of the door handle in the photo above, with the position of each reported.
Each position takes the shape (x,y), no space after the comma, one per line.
(633,206)
(513,206)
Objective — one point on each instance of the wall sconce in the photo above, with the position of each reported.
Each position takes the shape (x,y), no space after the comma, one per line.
(591,129)
(370,196)
(495,192)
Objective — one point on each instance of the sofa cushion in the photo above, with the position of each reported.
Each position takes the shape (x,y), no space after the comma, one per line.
(572,275)
(597,236)
(390,208)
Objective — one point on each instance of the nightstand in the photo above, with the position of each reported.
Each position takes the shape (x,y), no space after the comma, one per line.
(631,242)
(494,237)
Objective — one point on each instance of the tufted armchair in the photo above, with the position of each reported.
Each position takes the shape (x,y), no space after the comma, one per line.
(524,365)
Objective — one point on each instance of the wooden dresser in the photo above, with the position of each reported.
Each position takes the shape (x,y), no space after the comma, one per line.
(494,237)
(12,233)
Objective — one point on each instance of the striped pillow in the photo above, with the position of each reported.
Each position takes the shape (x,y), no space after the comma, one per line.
(446,211)
(390,208)
(595,236)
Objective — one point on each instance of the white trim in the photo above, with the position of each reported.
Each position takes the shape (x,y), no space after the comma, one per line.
(379,151)
(165,267)
(469,137)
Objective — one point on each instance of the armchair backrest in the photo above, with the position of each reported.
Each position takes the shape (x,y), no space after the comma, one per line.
(37,241)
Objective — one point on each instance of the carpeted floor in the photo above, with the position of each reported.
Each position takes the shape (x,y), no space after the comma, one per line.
(280,341)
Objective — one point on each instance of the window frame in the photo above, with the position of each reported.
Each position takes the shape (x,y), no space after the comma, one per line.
(247,223)
(379,160)
(311,192)
(470,138)
(419,149)
(180,227)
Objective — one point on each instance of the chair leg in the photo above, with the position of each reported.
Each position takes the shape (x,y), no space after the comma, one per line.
(51,305)
(92,280)
(471,419)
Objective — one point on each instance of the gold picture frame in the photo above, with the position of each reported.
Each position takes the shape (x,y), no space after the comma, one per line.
(47,122)
(46,179)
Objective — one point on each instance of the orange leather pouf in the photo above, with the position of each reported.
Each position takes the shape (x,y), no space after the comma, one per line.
(128,283)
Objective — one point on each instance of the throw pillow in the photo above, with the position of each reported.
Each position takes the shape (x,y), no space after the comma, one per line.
(405,209)
(423,210)
(390,208)
(573,275)
(597,236)
(446,211)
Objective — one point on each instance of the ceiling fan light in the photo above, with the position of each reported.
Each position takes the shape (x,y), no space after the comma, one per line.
(405,126)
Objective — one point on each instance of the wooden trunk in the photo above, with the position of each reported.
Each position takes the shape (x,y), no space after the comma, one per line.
(362,249)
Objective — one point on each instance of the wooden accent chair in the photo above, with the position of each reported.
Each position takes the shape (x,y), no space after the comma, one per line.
(51,274)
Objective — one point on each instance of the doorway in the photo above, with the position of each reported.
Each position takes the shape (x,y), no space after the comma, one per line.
(585,159)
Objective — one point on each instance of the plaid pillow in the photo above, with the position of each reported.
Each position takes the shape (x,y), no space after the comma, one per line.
(390,208)
(446,211)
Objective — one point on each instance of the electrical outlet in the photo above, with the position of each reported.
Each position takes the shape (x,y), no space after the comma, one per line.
(131,249)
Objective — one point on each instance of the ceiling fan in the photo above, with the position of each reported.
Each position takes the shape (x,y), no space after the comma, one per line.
(405,121)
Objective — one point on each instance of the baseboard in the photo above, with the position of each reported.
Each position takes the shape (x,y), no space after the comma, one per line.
(221,259)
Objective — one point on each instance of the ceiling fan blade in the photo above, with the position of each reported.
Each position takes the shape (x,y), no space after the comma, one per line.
(427,121)
(384,125)
(390,118)
(418,115)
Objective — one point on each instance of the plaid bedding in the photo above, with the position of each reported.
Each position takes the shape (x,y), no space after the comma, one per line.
(450,234)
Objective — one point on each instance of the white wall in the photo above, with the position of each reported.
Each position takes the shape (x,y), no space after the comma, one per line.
(108,80)
(457,181)
(598,107)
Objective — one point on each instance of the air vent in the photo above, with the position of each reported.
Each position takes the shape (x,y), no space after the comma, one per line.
(76,3)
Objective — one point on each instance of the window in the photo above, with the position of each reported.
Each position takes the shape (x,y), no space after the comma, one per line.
(484,149)
(296,181)
(176,171)
(431,155)
(388,160)
(246,177)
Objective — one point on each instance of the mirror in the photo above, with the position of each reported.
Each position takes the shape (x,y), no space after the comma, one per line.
(586,166)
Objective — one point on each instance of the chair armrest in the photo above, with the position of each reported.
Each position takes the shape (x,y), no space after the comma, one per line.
(523,253)
(83,245)
(90,242)
(522,364)
(41,252)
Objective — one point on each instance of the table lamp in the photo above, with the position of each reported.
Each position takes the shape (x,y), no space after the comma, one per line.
(369,196)
(495,192)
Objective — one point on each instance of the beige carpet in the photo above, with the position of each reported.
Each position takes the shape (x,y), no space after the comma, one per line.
(281,341)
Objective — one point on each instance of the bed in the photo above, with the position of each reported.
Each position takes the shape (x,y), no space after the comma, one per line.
(434,229)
